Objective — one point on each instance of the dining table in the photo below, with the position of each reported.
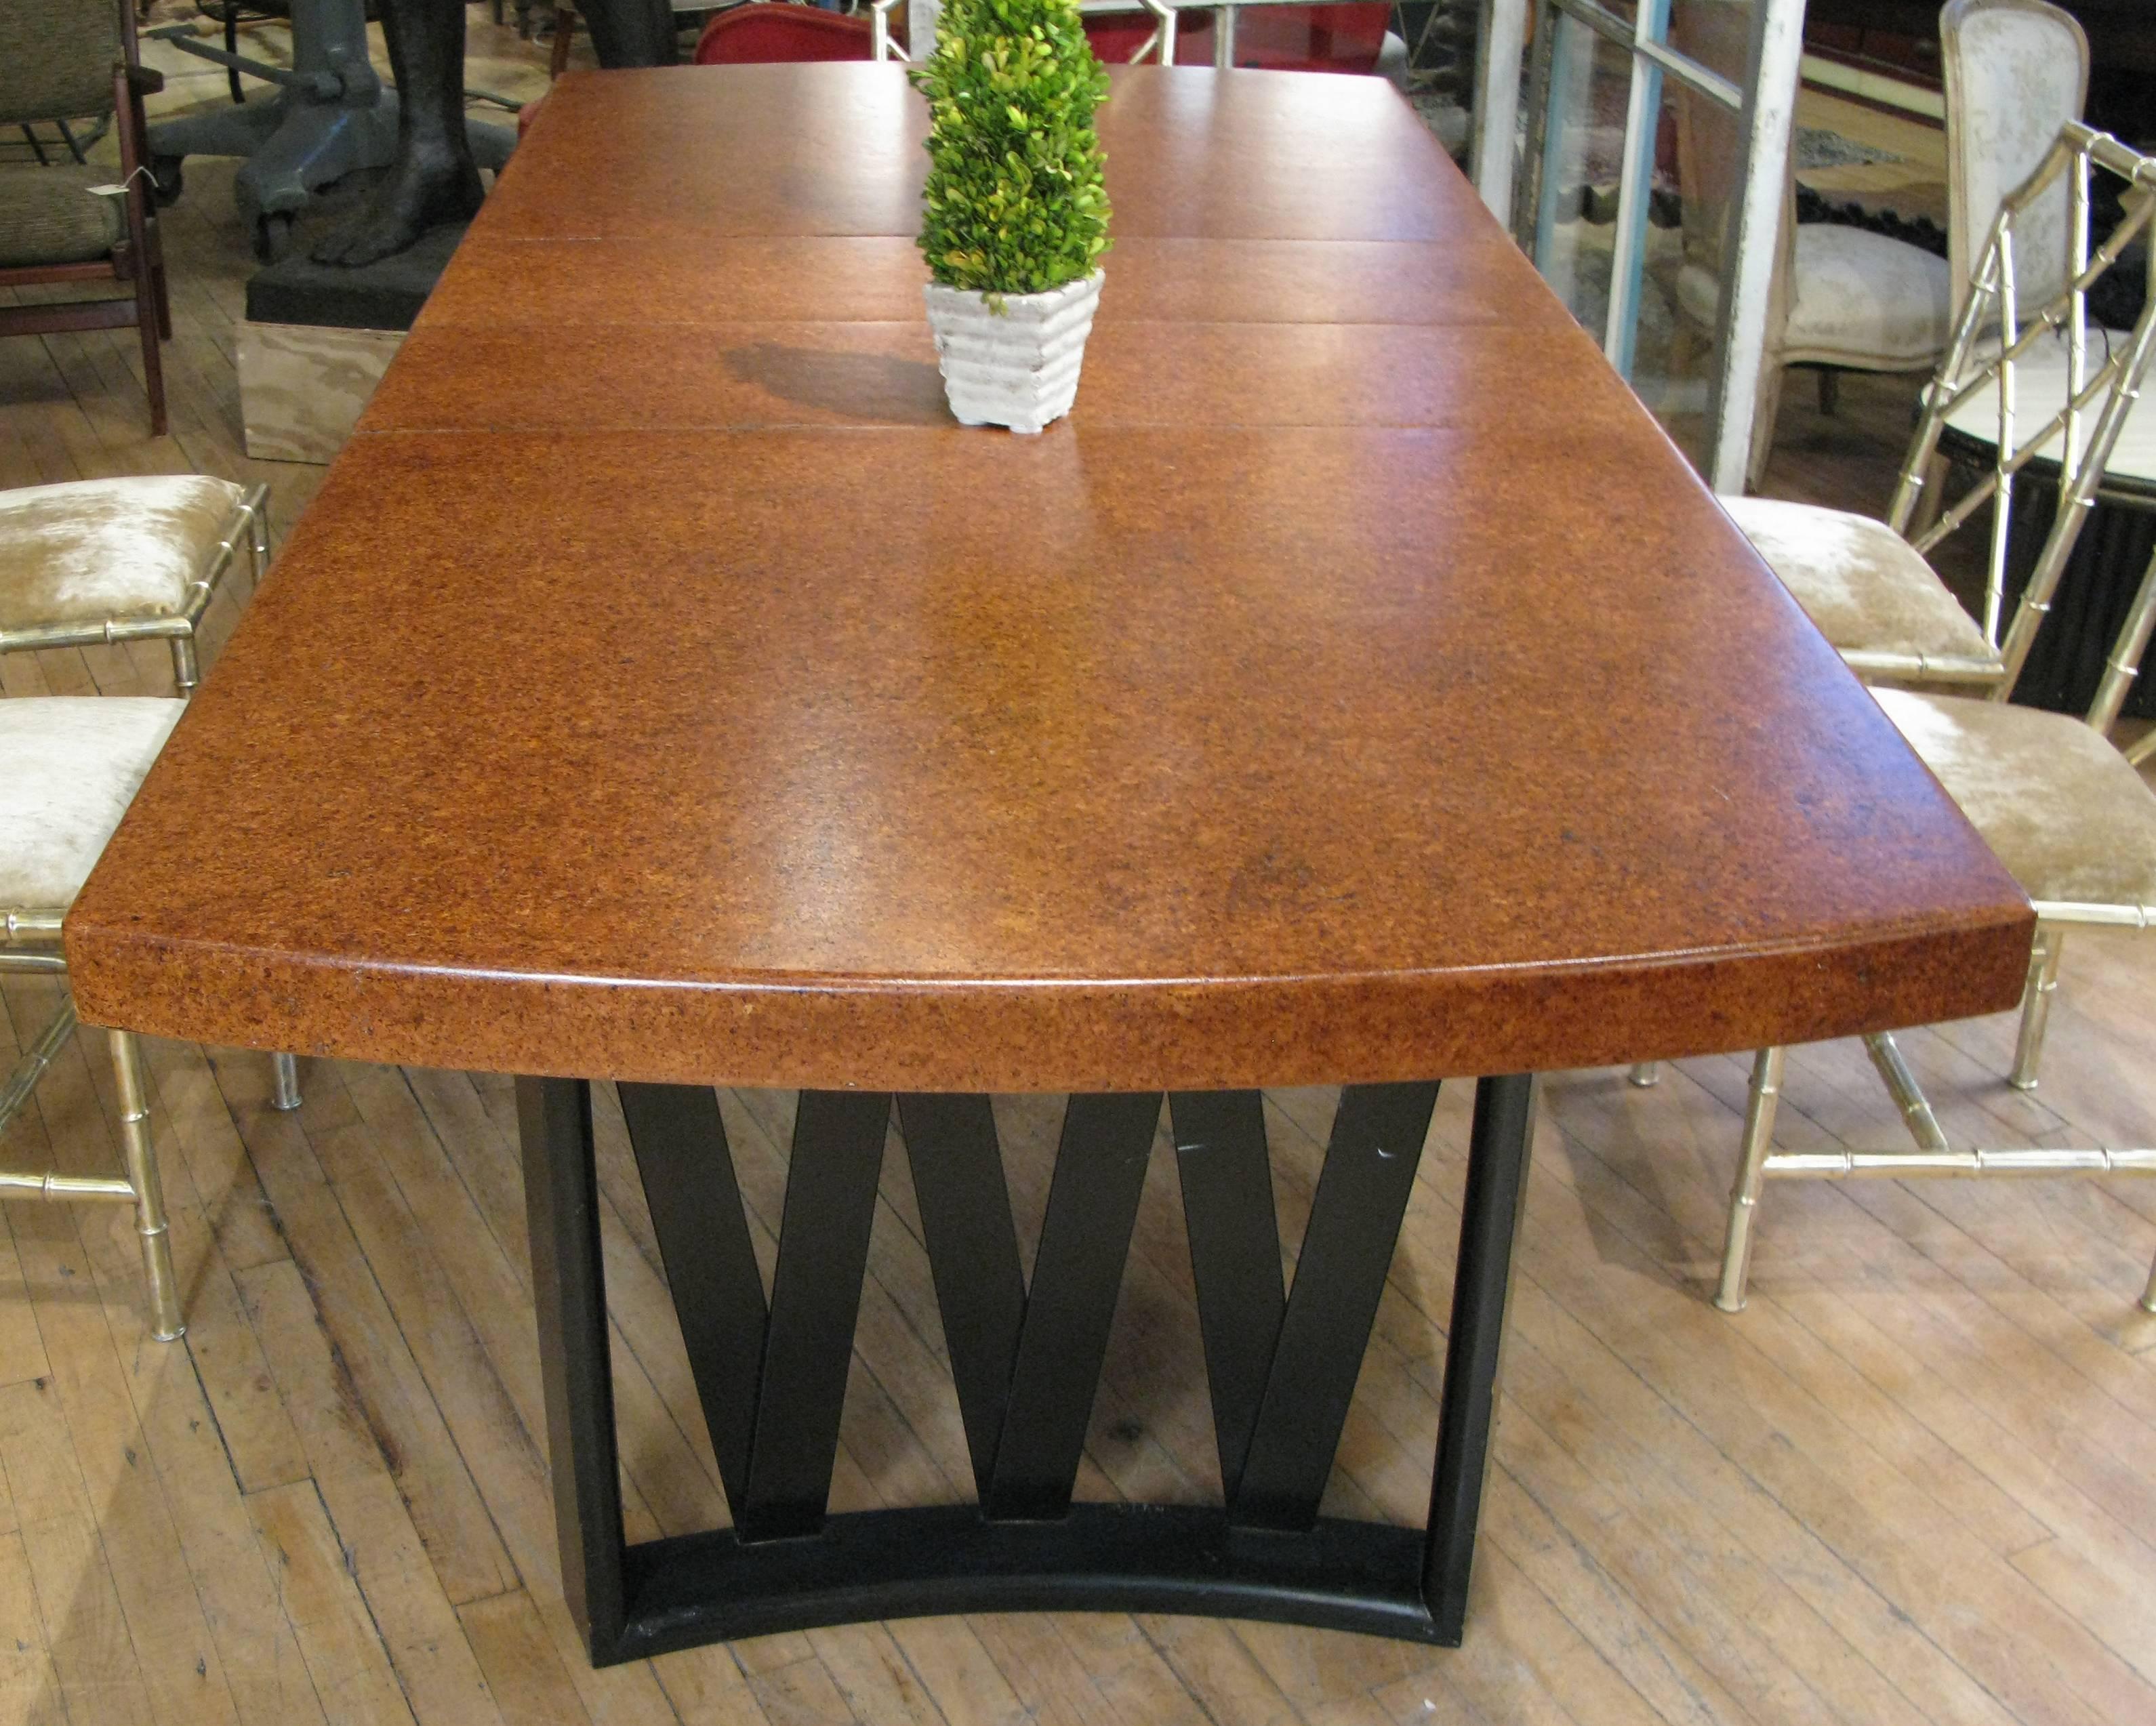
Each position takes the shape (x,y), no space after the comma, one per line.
(1356,689)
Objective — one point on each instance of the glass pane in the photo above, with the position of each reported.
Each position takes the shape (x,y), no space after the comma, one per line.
(1590,81)
(1698,155)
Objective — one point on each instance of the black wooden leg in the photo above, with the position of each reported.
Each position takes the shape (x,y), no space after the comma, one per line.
(687,1169)
(1027,1359)
(1234,1257)
(1496,1193)
(1339,1278)
(1085,1237)
(815,1298)
(972,1254)
(569,1288)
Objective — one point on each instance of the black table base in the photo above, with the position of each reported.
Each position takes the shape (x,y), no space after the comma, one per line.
(1280,1362)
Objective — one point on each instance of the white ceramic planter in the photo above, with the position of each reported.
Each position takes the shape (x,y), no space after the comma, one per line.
(1017,367)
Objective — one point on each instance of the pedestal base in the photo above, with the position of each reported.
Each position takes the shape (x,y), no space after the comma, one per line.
(1281,1364)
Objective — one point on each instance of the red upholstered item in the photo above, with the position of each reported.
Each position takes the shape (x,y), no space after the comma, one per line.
(766,30)
(1279,38)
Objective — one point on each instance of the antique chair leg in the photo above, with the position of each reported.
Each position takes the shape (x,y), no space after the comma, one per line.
(2148,1298)
(1751,1176)
(2037,1007)
(285,1072)
(1646,1074)
(141,1156)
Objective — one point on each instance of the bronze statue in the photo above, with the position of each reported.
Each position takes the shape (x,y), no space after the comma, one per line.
(434,178)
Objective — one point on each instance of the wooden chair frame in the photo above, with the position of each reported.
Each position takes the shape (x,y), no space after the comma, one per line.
(138,259)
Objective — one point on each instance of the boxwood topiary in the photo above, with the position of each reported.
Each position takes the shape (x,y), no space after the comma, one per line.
(1014,202)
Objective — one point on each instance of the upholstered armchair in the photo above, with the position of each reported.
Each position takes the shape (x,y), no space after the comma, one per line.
(1843,298)
(66,59)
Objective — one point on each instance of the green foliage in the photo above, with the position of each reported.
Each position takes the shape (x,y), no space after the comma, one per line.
(1014,201)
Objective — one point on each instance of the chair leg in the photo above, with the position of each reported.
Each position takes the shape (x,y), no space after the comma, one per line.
(1751,1176)
(141,1159)
(1646,1074)
(565,28)
(2148,1298)
(2037,1007)
(285,1074)
(186,669)
(153,361)
(1829,390)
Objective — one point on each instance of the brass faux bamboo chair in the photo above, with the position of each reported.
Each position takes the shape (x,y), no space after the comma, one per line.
(68,767)
(1867,583)
(139,558)
(2065,811)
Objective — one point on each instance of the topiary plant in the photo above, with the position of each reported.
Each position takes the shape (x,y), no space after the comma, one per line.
(1014,202)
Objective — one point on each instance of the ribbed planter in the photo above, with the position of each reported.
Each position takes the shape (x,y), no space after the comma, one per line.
(1016,367)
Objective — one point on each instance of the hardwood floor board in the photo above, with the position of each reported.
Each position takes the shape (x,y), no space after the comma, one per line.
(530,1685)
(1886,1528)
(29,1688)
(1128,1671)
(1574,1567)
(196,1465)
(390,1395)
(1925,1451)
(21,1349)
(1991,1301)
(459,1374)
(85,1632)
(893,1673)
(337,1638)
(1218,1670)
(198,1129)
(1039,1664)
(123,1497)
(801,1694)
(1699,1554)
(414,1619)
(86,1636)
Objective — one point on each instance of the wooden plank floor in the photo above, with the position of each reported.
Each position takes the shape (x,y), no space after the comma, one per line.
(1911,1484)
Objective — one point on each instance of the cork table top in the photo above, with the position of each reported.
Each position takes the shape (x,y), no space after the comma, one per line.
(1356,687)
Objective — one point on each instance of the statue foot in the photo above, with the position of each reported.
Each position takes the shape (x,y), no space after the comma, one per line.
(422,194)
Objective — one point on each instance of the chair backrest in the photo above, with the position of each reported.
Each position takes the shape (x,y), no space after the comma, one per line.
(56,59)
(772,30)
(2041,382)
(2015,71)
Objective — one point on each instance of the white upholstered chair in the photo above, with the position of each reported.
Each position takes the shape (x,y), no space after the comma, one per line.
(2016,72)
(68,767)
(1843,299)
(136,558)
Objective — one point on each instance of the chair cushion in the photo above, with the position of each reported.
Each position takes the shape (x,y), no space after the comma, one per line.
(69,766)
(1860,582)
(56,59)
(51,216)
(93,549)
(1862,300)
(2070,821)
